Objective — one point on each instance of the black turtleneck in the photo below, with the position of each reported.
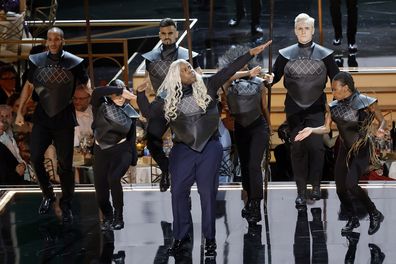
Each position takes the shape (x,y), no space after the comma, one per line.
(168,52)
(54,59)
(306,45)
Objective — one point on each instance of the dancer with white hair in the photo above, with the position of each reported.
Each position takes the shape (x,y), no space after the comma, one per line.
(157,63)
(305,66)
(191,110)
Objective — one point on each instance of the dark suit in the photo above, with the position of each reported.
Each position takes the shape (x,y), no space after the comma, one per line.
(8,163)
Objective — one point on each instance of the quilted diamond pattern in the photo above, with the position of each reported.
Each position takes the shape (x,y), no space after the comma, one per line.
(188,105)
(344,112)
(53,75)
(305,67)
(114,113)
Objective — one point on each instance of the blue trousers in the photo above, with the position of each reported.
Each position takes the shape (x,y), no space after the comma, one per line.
(186,167)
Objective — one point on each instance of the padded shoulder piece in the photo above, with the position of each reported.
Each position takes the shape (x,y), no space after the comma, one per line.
(182,53)
(361,101)
(320,52)
(68,61)
(152,55)
(288,51)
(39,59)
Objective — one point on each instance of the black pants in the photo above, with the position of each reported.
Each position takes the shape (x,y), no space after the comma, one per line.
(157,126)
(347,179)
(252,141)
(63,139)
(255,7)
(336,17)
(109,167)
(307,156)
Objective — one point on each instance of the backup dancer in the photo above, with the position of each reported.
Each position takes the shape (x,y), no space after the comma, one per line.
(353,113)
(246,99)
(114,127)
(190,106)
(305,67)
(157,65)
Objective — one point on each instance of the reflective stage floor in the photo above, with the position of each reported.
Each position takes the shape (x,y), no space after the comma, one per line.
(285,235)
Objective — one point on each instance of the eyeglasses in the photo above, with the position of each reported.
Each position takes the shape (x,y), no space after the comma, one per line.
(80,98)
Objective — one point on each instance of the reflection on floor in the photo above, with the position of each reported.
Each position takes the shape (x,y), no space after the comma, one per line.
(285,235)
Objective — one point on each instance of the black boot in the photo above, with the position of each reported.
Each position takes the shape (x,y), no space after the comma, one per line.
(254,210)
(339,61)
(316,194)
(377,256)
(245,210)
(67,214)
(107,221)
(178,245)
(352,62)
(164,182)
(352,223)
(256,29)
(375,221)
(118,221)
(107,224)
(48,200)
(233,22)
(210,247)
(353,239)
(301,198)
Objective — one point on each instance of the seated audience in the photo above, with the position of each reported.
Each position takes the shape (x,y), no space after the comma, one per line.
(81,102)
(7,82)
(12,166)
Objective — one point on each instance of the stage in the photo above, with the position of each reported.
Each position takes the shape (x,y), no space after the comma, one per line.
(285,235)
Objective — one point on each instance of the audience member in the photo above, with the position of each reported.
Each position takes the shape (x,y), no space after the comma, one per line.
(8,82)
(81,102)
(12,166)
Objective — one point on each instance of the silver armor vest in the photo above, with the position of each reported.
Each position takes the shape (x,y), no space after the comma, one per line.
(160,63)
(348,114)
(305,73)
(244,100)
(192,126)
(54,83)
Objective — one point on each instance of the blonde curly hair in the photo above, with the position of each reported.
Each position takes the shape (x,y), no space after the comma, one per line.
(171,91)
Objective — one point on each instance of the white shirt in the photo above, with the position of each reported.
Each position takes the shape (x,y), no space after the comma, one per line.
(84,120)
(8,140)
